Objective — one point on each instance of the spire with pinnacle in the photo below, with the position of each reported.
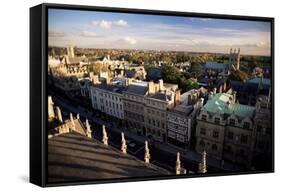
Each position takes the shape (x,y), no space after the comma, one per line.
(178,164)
(104,136)
(88,129)
(146,154)
(51,112)
(59,116)
(123,143)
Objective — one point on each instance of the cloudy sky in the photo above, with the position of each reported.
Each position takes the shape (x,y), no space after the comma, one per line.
(91,29)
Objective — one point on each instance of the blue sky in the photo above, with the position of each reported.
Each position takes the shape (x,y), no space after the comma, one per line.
(92,29)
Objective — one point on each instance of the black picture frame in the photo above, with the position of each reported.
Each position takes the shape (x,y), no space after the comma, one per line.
(39,92)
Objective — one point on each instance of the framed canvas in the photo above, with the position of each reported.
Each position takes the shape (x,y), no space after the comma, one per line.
(131,95)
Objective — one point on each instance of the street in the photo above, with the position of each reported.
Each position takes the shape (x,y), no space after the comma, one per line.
(135,143)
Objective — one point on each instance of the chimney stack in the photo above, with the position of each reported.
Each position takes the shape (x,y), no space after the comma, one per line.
(177,97)
(234,97)
(161,85)
(215,90)
(201,102)
(151,87)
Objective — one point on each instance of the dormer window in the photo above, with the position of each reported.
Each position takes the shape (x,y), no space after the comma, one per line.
(232,122)
(217,120)
(204,117)
(246,125)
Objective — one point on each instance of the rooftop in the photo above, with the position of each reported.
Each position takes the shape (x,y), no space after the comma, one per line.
(215,65)
(138,87)
(219,104)
(73,157)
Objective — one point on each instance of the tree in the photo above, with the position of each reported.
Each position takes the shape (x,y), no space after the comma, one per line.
(98,67)
(188,84)
(196,69)
(171,74)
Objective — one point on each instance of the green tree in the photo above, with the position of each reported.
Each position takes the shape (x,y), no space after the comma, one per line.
(188,84)
(171,74)
(196,69)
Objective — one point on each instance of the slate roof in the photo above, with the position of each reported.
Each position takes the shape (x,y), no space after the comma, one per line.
(73,157)
(215,65)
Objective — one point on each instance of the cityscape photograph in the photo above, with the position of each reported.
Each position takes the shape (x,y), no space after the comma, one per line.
(143,96)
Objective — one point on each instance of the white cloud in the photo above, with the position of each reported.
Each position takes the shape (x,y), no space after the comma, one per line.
(103,24)
(109,24)
(121,23)
(56,34)
(88,34)
(128,40)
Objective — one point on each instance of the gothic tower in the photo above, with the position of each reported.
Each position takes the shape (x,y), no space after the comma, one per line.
(70,51)
(234,59)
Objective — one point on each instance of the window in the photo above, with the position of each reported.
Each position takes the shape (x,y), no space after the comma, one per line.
(230,135)
(259,128)
(202,143)
(217,120)
(232,122)
(246,125)
(268,131)
(204,117)
(202,131)
(215,134)
(214,147)
(244,139)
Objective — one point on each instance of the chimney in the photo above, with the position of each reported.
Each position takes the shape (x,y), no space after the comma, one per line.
(211,95)
(95,79)
(220,89)
(161,85)
(177,97)
(201,102)
(151,88)
(234,96)
(128,82)
(215,90)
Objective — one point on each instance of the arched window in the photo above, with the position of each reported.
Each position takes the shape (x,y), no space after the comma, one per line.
(214,147)
(202,143)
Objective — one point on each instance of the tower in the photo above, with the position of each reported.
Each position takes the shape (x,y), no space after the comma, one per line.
(234,59)
(70,51)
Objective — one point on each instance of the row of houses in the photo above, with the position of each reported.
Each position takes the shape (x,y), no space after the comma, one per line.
(215,121)
(155,110)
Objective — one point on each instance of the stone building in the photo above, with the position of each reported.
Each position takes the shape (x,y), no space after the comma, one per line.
(181,118)
(108,98)
(133,100)
(145,107)
(226,129)
(160,97)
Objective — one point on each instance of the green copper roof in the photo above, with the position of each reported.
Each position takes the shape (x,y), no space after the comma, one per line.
(218,104)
